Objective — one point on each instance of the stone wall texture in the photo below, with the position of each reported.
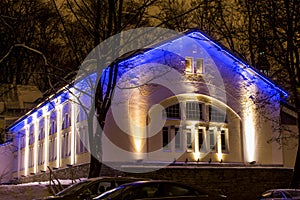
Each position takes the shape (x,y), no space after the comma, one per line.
(235,182)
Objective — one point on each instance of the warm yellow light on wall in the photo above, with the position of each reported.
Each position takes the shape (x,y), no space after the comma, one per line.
(196,155)
(137,125)
(219,147)
(249,134)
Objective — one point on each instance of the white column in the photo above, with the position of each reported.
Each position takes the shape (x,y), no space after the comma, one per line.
(46,139)
(35,145)
(73,107)
(19,154)
(26,157)
(58,134)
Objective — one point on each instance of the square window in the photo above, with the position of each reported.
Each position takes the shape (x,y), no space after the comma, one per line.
(199,66)
(189,65)
(172,112)
(194,111)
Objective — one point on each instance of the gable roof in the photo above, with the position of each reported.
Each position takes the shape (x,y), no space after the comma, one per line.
(191,33)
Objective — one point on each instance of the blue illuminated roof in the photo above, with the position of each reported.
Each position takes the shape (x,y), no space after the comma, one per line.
(153,50)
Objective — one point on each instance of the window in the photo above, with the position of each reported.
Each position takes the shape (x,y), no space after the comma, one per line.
(199,66)
(201,137)
(224,141)
(31,138)
(166,138)
(216,115)
(189,145)
(172,112)
(42,133)
(41,154)
(52,127)
(189,65)
(194,111)
(178,139)
(212,141)
(82,140)
(66,121)
(52,149)
(31,157)
(23,141)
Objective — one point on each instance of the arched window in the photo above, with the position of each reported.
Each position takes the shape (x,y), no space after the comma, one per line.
(172,112)
(217,115)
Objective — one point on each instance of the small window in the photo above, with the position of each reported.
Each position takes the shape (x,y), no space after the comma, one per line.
(172,112)
(52,127)
(199,66)
(178,139)
(223,141)
(216,115)
(189,140)
(42,134)
(166,138)
(194,111)
(201,144)
(189,65)
(212,142)
(66,121)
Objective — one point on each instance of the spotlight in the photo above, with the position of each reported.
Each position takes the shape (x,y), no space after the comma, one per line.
(252,162)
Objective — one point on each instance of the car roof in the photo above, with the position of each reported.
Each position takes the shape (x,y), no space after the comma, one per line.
(287,189)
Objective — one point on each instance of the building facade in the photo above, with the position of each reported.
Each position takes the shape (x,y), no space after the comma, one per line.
(187,99)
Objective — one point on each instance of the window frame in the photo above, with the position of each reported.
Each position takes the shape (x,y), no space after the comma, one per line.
(191,113)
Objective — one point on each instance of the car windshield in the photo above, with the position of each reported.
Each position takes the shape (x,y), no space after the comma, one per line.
(293,193)
(71,189)
(111,193)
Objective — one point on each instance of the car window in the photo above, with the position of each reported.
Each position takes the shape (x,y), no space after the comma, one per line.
(71,189)
(150,190)
(171,189)
(277,194)
(292,193)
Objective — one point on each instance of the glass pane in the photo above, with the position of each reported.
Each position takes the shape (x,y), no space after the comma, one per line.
(199,66)
(188,140)
(188,64)
(177,139)
(194,111)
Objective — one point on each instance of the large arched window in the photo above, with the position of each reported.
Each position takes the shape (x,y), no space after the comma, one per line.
(202,128)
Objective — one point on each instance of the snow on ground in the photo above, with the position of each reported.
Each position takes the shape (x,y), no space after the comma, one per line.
(29,191)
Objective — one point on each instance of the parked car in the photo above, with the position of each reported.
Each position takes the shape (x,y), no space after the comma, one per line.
(281,194)
(90,188)
(156,189)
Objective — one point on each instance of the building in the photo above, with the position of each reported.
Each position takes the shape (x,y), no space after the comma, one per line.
(187,99)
